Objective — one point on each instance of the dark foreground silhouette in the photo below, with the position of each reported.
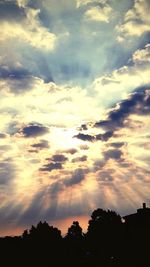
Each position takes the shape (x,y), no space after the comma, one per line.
(110,241)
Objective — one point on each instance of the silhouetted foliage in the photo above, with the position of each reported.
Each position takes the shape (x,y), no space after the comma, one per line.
(25,234)
(75,231)
(43,232)
(109,242)
(103,220)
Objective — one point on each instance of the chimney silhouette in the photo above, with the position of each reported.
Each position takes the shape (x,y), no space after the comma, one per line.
(144,205)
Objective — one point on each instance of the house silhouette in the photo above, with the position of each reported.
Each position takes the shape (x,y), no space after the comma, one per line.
(141,217)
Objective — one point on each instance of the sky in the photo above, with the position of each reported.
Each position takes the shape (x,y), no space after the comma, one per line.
(74,110)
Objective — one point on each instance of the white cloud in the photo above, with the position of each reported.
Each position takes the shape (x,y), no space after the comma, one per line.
(85,2)
(98,13)
(52,104)
(136,20)
(47,103)
(29,31)
(142,55)
(96,10)
(22,3)
(125,79)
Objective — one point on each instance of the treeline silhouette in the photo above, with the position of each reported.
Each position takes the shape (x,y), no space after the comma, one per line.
(110,241)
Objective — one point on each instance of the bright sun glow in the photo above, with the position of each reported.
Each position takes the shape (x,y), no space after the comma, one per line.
(64,138)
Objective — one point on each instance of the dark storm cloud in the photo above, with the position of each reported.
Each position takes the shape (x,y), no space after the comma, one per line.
(33,151)
(71,151)
(92,138)
(56,163)
(117,144)
(138,103)
(41,145)
(105,136)
(83,127)
(77,177)
(103,124)
(85,137)
(113,154)
(34,130)
(21,79)
(51,166)
(80,159)
(59,158)
(21,84)
(2,135)
(13,73)
(18,81)
(10,11)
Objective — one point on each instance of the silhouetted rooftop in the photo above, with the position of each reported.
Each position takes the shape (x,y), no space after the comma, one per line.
(141,214)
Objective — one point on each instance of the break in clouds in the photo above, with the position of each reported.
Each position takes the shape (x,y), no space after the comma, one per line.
(74,109)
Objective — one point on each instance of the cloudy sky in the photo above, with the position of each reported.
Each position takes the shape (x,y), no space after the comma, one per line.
(74,110)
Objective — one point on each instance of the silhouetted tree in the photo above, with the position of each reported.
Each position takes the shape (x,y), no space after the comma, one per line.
(25,234)
(109,242)
(44,232)
(75,231)
(102,219)
(104,234)
(74,244)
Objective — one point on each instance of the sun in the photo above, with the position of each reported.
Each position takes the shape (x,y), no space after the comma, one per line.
(63,138)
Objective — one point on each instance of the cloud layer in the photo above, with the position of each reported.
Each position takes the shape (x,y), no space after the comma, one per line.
(74,109)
